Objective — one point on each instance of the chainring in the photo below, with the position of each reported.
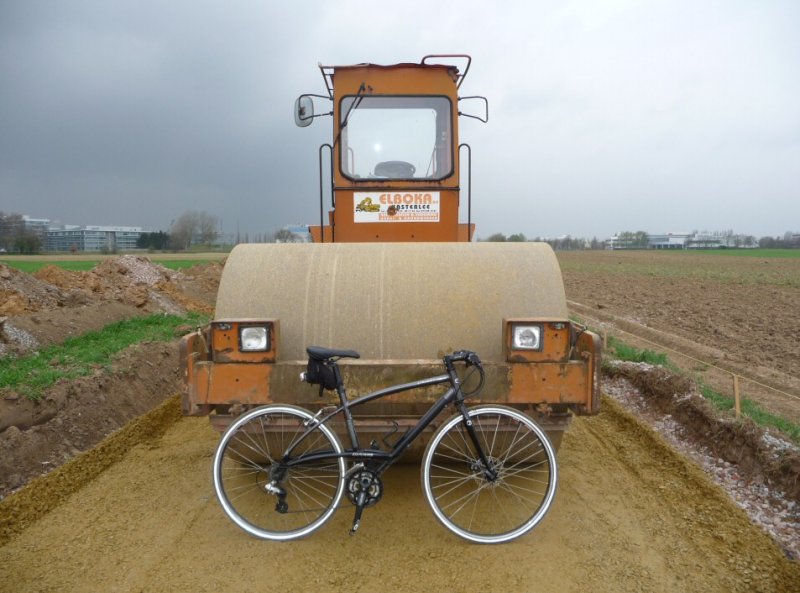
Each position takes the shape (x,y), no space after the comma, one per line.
(365,481)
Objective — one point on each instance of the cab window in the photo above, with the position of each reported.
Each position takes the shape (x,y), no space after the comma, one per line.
(396,137)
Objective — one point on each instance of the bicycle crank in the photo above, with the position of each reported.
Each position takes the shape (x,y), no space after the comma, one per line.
(366,482)
(364,489)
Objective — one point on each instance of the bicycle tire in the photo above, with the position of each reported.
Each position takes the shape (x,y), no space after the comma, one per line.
(242,463)
(474,507)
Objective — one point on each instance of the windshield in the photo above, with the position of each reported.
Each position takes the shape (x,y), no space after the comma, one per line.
(397,138)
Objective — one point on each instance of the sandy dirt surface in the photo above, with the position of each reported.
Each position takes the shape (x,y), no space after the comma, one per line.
(630,515)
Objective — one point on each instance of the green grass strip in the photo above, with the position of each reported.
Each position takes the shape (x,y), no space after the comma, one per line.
(723,403)
(180,264)
(31,375)
(623,351)
(753,411)
(741,252)
(29,267)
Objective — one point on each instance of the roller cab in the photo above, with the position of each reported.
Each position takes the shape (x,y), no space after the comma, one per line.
(392,273)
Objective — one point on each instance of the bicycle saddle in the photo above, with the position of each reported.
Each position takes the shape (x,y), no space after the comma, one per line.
(320,353)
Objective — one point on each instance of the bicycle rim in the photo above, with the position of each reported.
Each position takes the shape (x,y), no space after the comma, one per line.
(479,508)
(244,465)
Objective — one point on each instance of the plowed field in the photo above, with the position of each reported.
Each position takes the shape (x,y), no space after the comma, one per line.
(741,313)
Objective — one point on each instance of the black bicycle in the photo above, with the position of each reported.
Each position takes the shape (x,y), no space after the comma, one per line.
(489,472)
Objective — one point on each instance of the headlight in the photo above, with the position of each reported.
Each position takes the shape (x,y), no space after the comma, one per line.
(527,337)
(253,339)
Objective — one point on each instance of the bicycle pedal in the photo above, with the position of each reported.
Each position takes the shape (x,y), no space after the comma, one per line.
(354,528)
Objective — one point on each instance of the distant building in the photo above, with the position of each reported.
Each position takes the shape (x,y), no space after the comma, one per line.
(37,226)
(693,240)
(92,238)
(705,241)
(669,241)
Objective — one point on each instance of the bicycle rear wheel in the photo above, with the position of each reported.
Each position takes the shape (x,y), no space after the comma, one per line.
(513,499)
(247,462)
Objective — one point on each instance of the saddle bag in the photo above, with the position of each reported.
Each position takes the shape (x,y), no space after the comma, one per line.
(318,373)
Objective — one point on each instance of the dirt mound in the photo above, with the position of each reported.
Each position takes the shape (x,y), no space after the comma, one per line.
(22,293)
(61,278)
(128,279)
(198,286)
(54,304)
(194,288)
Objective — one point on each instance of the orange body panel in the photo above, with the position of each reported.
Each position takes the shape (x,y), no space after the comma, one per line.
(465,234)
(568,383)
(225,342)
(552,383)
(401,79)
(232,383)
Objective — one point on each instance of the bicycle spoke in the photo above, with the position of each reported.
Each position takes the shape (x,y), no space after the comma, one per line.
(502,508)
(247,462)
(496,503)
(462,500)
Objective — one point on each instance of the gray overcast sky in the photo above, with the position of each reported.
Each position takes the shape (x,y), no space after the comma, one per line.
(668,115)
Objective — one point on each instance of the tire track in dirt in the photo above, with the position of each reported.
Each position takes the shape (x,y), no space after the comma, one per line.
(630,515)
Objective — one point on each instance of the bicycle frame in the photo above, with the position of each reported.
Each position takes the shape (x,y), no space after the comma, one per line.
(489,449)
(387,458)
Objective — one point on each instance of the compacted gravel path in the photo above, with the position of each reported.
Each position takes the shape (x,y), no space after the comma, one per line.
(630,515)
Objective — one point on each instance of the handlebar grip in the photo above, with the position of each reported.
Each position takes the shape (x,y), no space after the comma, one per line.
(471,358)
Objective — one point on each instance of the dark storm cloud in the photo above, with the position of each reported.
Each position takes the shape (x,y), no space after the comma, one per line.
(604,116)
(110,110)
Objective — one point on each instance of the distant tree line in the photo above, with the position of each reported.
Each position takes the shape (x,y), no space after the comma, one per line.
(200,228)
(567,243)
(789,240)
(641,240)
(633,240)
(15,237)
(193,228)
(501,238)
(156,241)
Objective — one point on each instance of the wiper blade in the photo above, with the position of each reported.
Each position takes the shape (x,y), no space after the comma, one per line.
(353,106)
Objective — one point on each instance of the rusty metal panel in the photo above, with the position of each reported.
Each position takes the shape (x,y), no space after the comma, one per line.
(550,383)
(524,383)
(555,340)
(225,341)
(229,383)
(589,349)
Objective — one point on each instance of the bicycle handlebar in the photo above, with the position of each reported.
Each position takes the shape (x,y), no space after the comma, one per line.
(471,358)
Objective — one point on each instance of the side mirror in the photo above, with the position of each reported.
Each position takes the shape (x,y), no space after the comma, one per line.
(485,117)
(303,111)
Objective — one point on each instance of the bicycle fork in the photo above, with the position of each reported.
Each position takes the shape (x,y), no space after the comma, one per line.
(489,471)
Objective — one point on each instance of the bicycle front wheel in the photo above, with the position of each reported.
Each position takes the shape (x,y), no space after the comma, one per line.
(495,504)
(248,474)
